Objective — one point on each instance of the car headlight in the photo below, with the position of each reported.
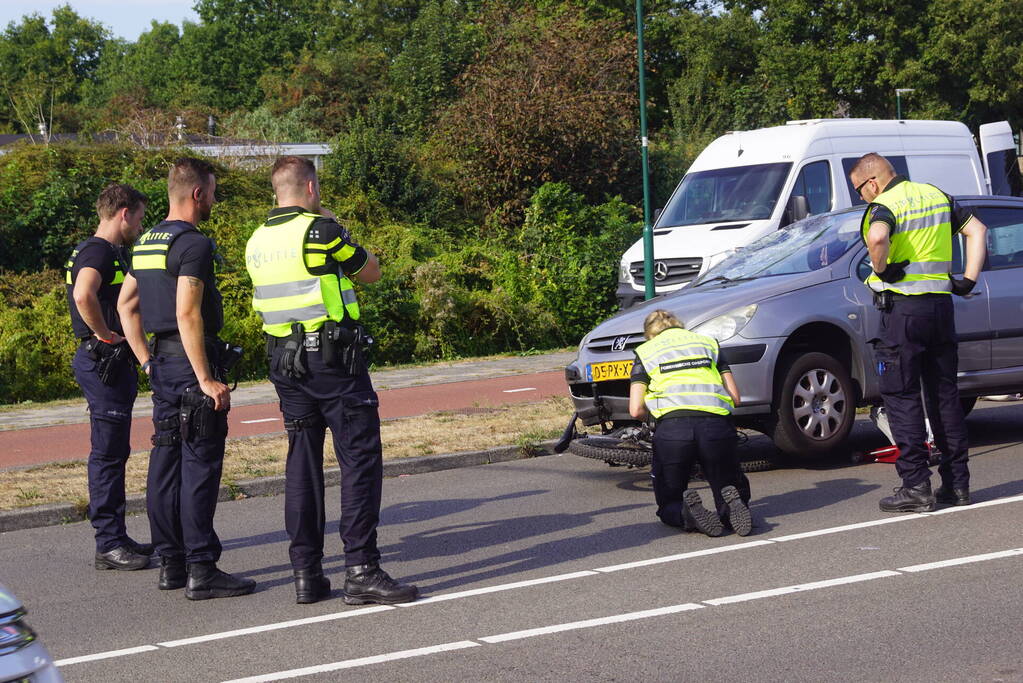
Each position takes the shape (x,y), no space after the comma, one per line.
(728,325)
(624,275)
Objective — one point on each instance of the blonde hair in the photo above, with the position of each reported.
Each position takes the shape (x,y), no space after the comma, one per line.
(658,321)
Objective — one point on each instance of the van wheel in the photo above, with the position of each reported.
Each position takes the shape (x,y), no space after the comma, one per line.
(816,405)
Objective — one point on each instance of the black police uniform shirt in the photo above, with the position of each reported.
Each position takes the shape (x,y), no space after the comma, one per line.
(882,214)
(191,254)
(325,236)
(640,375)
(101,255)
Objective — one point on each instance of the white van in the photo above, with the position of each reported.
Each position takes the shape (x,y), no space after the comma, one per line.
(748,183)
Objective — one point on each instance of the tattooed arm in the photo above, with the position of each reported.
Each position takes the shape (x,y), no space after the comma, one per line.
(190,326)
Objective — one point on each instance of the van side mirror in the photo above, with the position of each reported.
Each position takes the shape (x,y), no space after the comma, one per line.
(796,210)
(657,214)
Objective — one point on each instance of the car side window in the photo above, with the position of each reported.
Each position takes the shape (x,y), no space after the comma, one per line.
(1004,236)
(898,163)
(814,183)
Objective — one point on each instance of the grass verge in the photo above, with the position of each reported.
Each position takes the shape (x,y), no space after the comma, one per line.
(524,425)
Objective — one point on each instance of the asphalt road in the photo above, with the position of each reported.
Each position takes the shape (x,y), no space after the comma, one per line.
(557,569)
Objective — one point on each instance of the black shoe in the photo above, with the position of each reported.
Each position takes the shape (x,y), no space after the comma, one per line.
(698,517)
(205,581)
(910,499)
(738,514)
(947,495)
(311,585)
(173,574)
(139,548)
(123,558)
(368,583)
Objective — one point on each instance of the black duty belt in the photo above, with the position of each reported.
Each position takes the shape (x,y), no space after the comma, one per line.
(311,342)
(171,345)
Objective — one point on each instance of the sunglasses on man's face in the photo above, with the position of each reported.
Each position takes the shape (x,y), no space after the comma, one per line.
(859,188)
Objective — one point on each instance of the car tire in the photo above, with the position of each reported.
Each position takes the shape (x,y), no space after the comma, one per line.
(617,452)
(815,404)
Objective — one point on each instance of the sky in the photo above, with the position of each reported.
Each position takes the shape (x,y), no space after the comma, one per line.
(125,18)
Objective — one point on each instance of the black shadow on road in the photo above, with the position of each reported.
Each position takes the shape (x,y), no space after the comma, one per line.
(421,510)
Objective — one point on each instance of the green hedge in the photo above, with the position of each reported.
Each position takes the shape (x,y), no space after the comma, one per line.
(447,290)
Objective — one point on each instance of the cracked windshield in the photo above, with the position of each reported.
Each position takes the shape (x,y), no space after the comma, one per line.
(807,245)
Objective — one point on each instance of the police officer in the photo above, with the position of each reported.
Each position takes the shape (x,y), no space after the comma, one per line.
(103,368)
(302,263)
(908,228)
(174,290)
(682,379)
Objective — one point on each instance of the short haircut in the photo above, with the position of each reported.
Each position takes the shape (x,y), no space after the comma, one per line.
(119,196)
(871,164)
(186,174)
(658,321)
(290,174)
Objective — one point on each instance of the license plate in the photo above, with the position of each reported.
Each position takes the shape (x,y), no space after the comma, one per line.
(602,372)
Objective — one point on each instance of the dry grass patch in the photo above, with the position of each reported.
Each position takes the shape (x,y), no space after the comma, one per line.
(444,432)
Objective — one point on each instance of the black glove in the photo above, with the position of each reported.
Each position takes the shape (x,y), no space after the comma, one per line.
(893,272)
(962,287)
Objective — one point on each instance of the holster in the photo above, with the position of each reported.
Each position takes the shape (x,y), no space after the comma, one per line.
(110,358)
(197,417)
(344,346)
(883,301)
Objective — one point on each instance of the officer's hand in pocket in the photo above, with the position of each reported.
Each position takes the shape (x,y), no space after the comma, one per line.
(962,287)
(893,272)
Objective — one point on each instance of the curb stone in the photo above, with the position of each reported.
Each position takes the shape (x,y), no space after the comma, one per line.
(67,513)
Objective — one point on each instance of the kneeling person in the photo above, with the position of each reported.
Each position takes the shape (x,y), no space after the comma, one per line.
(681,379)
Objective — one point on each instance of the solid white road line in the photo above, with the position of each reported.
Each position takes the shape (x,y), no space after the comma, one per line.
(563,577)
(265,419)
(496,589)
(515,391)
(352,663)
(278,625)
(682,556)
(105,655)
(962,560)
(798,588)
(590,623)
(619,618)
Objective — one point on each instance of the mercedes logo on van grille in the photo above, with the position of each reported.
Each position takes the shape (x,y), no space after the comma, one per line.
(619,343)
(660,270)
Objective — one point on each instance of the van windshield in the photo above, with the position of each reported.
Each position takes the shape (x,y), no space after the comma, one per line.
(743,193)
(810,244)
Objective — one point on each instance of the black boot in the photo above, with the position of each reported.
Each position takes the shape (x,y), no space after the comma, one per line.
(205,581)
(311,585)
(738,514)
(910,499)
(947,495)
(173,574)
(697,517)
(123,558)
(366,583)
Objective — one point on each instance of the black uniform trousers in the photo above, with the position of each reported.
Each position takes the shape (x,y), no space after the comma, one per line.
(918,345)
(680,442)
(184,476)
(110,423)
(329,397)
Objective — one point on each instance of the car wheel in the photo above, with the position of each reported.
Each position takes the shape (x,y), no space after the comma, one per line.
(815,403)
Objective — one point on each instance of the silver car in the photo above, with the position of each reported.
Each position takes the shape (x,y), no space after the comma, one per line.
(22,656)
(794,319)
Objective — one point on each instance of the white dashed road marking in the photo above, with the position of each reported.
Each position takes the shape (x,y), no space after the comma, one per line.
(515,391)
(265,419)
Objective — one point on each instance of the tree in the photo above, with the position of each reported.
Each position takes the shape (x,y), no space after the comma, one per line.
(551,98)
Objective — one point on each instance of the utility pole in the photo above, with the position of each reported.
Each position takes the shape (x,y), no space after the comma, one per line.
(648,231)
(898,100)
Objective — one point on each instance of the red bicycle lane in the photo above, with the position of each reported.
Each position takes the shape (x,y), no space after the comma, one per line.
(60,443)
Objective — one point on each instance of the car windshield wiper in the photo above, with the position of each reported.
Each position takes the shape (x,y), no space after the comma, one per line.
(723,278)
